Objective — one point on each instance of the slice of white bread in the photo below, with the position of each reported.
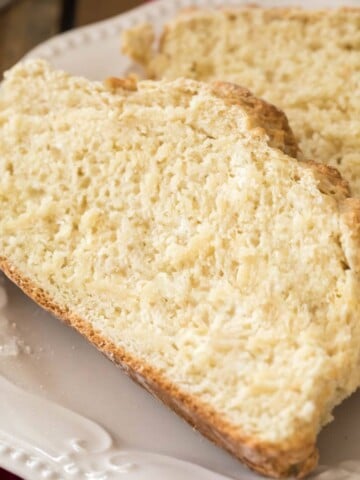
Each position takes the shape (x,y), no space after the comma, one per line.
(218,272)
(306,62)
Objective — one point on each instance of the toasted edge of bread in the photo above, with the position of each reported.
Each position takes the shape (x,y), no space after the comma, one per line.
(290,460)
(269,119)
(297,457)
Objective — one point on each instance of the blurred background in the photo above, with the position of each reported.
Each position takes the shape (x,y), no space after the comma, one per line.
(26,23)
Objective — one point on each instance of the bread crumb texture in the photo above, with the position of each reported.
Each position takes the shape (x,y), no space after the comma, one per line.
(306,62)
(159,217)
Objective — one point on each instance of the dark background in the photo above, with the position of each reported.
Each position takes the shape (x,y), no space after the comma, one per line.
(26,23)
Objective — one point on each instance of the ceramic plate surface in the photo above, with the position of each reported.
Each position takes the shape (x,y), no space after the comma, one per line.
(66,412)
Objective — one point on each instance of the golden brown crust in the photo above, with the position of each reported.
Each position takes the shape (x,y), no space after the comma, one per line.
(295,458)
(351,209)
(270,118)
(350,224)
(273,13)
(114,83)
(330,180)
(137,42)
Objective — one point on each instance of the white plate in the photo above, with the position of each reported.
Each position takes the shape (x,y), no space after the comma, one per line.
(75,415)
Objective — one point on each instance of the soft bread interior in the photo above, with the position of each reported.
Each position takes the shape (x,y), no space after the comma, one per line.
(157,215)
(306,62)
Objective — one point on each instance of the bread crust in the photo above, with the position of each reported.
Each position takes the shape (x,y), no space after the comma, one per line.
(272,121)
(138,41)
(330,180)
(129,83)
(268,119)
(350,224)
(289,12)
(296,458)
(298,455)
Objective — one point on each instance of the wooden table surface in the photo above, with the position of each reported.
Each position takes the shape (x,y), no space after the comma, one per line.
(26,23)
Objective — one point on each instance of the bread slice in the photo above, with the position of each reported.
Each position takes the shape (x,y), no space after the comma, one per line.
(219,273)
(306,62)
